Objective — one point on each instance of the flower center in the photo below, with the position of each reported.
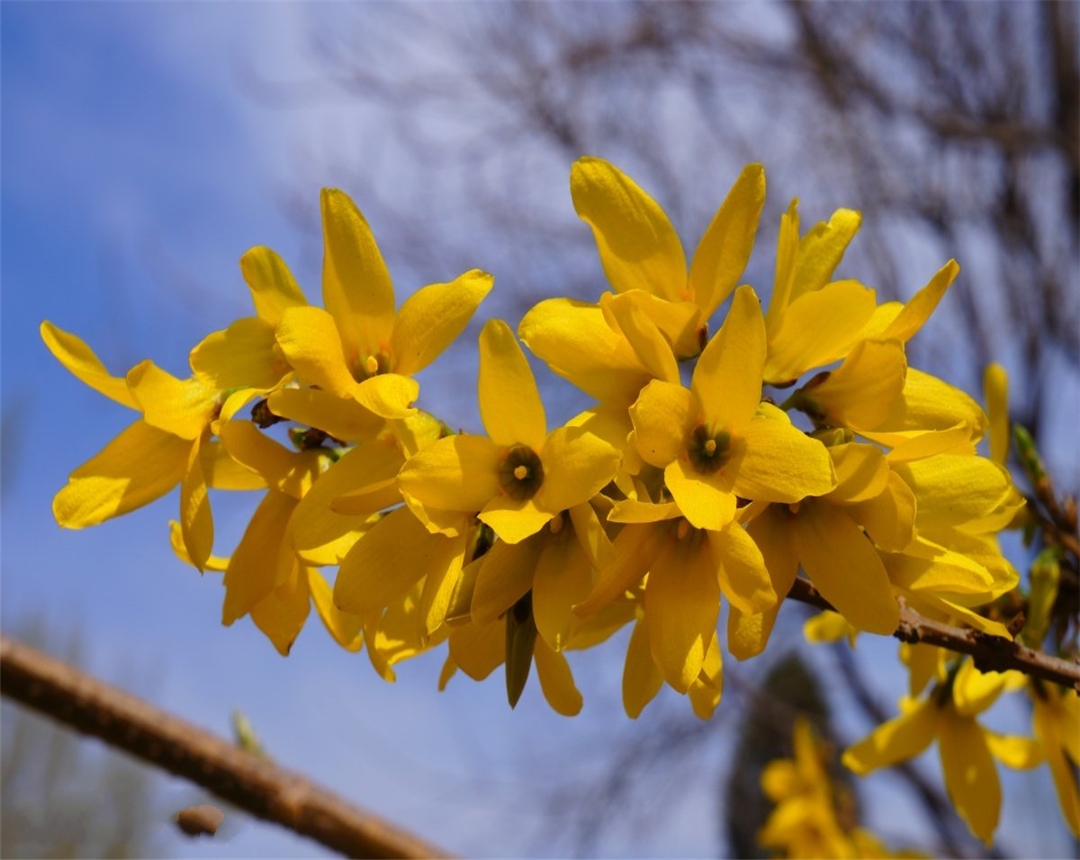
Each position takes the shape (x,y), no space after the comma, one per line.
(372,365)
(521,473)
(709,451)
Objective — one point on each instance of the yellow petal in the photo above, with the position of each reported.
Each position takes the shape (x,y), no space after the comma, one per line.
(84,365)
(245,355)
(638,246)
(724,249)
(642,678)
(787,253)
(273,287)
(817,329)
(577,465)
(727,379)
(258,564)
(184,407)
(313,348)
(370,465)
(505,575)
(822,249)
(707,501)
(343,419)
(845,568)
(345,628)
(901,738)
(635,548)
(440,584)
(510,404)
(927,404)
(215,563)
(828,627)
(996,392)
(578,344)
(861,473)
(479,649)
(860,393)
(1014,751)
(633,511)
(282,613)
(196,521)
(591,537)
(974,691)
(676,322)
(889,518)
(357,291)
(744,580)
(782,464)
(630,316)
(917,311)
(773,532)
(562,579)
(223,472)
(748,635)
(556,681)
(433,316)
(663,416)
(459,473)
(970,775)
(289,472)
(140,465)
(514,520)
(707,687)
(682,602)
(952,490)
(390,395)
(387,561)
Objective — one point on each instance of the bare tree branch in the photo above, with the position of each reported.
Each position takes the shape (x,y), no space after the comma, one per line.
(990,653)
(245,780)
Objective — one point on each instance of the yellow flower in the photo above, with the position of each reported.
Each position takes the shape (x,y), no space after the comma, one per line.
(610,351)
(712,442)
(522,476)
(171,444)
(967,749)
(1056,724)
(825,536)
(688,569)
(359,347)
(641,252)
(813,320)
(557,564)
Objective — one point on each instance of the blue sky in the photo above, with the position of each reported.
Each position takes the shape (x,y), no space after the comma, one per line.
(135,172)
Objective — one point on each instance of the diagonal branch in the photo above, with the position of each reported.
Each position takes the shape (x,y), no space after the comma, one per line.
(261,788)
(991,653)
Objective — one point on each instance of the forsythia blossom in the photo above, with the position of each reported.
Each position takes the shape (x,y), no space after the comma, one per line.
(661,503)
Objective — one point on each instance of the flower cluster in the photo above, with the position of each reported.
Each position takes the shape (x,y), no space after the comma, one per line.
(675,491)
(647,509)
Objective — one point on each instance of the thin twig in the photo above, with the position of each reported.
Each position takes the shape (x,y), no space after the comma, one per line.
(261,788)
(990,653)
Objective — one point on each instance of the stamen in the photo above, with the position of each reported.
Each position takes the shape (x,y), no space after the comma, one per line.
(371,365)
(556,524)
(710,447)
(683,529)
(521,472)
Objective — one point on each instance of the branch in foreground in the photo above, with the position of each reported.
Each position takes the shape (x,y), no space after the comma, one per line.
(244,780)
(990,653)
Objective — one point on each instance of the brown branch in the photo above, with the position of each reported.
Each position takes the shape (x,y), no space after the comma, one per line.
(990,653)
(235,775)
